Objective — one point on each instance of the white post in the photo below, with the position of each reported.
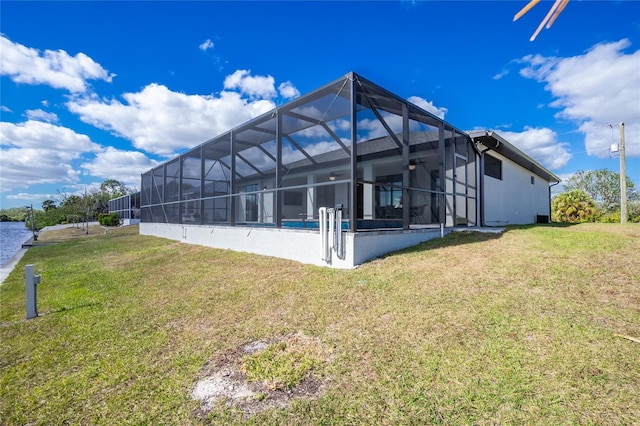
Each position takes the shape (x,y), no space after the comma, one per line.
(322,225)
(442,230)
(338,239)
(332,232)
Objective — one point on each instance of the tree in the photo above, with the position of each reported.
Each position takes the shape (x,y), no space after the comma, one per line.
(48,205)
(14,214)
(603,186)
(71,202)
(109,189)
(73,206)
(90,204)
(574,206)
(113,188)
(51,215)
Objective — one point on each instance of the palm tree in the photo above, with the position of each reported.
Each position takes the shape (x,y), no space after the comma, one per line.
(574,206)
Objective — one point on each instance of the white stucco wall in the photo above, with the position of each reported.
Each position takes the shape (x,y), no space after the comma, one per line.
(300,245)
(514,200)
(369,245)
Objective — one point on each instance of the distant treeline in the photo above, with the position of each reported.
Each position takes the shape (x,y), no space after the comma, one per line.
(70,209)
(15,214)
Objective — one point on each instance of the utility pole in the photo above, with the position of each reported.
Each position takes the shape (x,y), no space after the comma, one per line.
(33,225)
(86,215)
(623,178)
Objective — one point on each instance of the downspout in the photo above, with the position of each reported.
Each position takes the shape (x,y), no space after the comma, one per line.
(550,186)
(489,134)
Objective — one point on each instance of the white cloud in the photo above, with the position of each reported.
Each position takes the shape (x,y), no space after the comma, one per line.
(40,115)
(5,108)
(288,91)
(23,167)
(77,189)
(39,135)
(322,147)
(542,145)
(597,88)
(373,128)
(160,121)
(35,198)
(206,45)
(124,166)
(34,152)
(55,68)
(428,106)
(258,86)
(564,177)
(500,74)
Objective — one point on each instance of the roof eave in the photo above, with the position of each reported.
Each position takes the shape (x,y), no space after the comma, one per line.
(497,143)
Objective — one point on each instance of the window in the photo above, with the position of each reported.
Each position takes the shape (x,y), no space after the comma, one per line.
(533,180)
(492,167)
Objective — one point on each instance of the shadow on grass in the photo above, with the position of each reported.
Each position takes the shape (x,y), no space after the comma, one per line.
(541,225)
(72,308)
(455,238)
(51,312)
(471,236)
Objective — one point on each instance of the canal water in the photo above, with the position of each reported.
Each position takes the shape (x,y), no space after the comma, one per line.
(12,236)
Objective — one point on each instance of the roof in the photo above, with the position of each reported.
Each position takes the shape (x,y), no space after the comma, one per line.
(497,143)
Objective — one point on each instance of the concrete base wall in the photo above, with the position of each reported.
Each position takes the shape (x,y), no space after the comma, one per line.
(300,245)
(369,245)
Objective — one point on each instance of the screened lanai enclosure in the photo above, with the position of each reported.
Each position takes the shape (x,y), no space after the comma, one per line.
(351,146)
(127,207)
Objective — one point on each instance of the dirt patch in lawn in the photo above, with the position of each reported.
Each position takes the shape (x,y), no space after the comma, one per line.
(258,375)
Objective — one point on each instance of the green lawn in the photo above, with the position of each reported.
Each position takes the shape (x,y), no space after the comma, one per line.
(518,328)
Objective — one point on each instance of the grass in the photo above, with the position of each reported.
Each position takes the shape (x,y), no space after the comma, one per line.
(283,365)
(474,328)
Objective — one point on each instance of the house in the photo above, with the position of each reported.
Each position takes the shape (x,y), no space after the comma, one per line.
(341,175)
(514,189)
(127,207)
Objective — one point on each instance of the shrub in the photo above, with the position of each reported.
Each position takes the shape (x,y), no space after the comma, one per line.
(109,219)
(574,207)
(633,214)
(633,211)
(611,217)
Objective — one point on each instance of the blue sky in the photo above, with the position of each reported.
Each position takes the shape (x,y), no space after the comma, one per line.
(105,90)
